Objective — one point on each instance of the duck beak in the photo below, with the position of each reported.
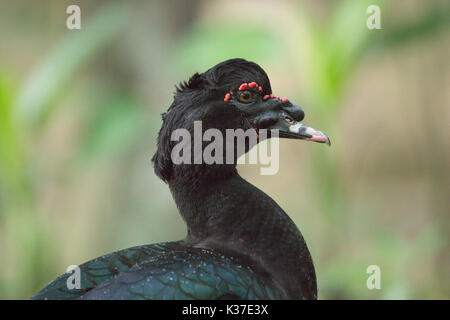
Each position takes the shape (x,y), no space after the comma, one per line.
(297,130)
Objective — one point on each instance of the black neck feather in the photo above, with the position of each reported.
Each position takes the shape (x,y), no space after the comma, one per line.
(226,212)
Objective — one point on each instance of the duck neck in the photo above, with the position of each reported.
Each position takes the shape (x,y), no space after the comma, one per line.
(224,211)
(205,198)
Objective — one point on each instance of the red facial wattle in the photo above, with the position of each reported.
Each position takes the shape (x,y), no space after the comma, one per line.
(253,84)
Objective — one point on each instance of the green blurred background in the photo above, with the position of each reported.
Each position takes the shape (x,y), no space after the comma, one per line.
(80,110)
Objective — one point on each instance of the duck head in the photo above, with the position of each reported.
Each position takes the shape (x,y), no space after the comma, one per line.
(235,94)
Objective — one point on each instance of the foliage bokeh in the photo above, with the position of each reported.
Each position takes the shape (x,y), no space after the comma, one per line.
(80,110)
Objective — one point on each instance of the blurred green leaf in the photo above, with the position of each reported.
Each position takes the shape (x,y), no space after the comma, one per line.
(11,158)
(53,73)
(432,22)
(113,128)
(332,52)
(26,241)
(203,46)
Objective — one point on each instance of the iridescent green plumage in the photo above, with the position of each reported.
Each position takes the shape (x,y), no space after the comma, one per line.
(163,271)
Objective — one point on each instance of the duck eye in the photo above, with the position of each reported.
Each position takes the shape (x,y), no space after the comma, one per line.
(289,120)
(246,96)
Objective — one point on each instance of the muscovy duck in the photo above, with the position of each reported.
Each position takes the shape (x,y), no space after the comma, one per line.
(240,244)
